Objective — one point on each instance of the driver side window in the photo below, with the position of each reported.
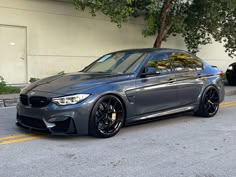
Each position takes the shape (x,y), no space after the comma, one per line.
(161,63)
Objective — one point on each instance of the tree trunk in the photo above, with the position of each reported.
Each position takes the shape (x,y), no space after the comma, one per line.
(161,30)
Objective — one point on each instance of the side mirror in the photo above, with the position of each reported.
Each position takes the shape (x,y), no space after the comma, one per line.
(150,71)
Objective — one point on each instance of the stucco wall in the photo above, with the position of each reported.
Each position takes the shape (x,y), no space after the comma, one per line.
(61,38)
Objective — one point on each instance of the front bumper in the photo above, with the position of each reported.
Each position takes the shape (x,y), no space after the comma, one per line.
(54,119)
(60,127)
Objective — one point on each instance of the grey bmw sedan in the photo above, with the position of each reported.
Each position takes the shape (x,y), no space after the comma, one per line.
(119,89)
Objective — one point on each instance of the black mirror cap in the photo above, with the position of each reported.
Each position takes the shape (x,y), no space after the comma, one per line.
(150,71)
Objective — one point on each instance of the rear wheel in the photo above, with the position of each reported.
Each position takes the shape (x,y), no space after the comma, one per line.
(107,117)
(209,104)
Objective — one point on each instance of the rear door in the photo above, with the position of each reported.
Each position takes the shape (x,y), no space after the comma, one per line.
(189,84)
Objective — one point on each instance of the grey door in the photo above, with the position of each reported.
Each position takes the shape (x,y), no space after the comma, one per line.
(13,54)
(188,84)
(157,93)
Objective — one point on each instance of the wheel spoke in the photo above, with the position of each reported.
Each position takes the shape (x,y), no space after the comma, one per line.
(114,106)
(101,118)
(213,94)
(210,93)
(108,104)
(99,113)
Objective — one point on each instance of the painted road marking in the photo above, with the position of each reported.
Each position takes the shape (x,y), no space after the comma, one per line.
(18,138)
(13,136)
(227,104)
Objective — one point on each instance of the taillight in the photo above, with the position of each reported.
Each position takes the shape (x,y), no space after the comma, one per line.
(221,74)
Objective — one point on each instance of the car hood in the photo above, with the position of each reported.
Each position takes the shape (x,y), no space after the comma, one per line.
(67,83)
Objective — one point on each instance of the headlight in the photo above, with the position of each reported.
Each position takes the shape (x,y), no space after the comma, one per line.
(72,99)
(230,68)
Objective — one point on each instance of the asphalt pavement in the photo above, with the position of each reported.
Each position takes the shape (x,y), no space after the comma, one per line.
(182,146)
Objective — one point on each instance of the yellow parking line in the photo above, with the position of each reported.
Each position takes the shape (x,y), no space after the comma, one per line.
(20,140)
(228,103)
(14,136)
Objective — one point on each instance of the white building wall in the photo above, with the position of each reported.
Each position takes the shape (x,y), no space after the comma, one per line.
(59,38)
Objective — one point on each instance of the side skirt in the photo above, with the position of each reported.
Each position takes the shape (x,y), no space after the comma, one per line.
(157,115)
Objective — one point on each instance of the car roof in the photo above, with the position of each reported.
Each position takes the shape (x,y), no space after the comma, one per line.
(232,64)
(150,50)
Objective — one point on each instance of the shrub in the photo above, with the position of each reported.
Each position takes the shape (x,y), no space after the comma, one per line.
(2,82)
(32,79)
(4,89)
(224,76)
(61,72)
(9,89)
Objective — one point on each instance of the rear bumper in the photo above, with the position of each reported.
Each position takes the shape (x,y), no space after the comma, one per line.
(221,89)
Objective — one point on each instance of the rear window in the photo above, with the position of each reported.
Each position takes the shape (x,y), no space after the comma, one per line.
(184,62)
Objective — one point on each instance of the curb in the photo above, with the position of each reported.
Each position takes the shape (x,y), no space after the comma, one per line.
(230,93)
(8,102)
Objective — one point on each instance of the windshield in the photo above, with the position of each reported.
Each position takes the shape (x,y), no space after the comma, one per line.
(122,62)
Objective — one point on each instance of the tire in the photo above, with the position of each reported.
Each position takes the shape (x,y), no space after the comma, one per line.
(209,104)
(107,117)
(230,82)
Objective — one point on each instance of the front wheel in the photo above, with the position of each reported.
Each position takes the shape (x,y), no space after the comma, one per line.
(209,104)
(106,117)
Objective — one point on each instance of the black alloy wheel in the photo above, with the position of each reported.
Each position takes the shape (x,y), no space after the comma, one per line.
(107,117)
(209,104)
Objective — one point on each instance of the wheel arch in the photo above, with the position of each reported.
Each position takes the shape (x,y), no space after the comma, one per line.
(204,91)
(209,86)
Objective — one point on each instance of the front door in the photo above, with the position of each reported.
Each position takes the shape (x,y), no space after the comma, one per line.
(13,54)
(157,93)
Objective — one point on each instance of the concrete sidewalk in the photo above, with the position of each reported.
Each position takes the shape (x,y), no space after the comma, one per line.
(11,99)
(7,100)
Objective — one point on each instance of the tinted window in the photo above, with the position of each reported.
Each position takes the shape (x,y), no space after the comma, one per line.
(185,62)
(161,62)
